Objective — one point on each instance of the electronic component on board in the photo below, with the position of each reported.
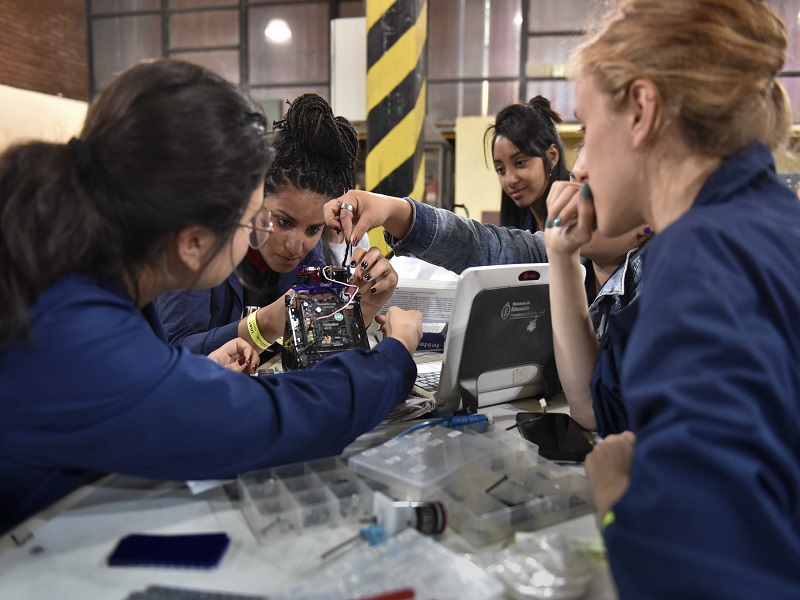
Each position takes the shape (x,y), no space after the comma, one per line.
(323,317)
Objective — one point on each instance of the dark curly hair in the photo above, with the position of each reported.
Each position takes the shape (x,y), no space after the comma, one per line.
(314,150)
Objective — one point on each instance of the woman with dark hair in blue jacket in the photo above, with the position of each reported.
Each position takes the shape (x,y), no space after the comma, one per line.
(145,201)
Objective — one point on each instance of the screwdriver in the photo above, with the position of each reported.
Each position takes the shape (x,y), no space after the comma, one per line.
(392,516)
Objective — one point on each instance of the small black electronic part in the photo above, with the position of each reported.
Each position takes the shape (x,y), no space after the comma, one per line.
(430,518)
(323,317)
(511,492)
(348,252)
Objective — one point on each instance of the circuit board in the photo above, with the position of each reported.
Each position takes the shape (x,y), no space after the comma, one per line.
(321,321)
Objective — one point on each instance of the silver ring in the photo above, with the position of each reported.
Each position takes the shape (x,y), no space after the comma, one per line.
(346,206)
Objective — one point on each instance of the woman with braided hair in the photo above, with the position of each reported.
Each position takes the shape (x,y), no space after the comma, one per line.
(315,153)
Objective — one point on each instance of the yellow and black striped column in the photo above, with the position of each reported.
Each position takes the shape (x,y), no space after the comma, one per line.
(397,33)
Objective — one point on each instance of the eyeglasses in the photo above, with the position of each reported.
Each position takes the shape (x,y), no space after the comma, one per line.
(260,228)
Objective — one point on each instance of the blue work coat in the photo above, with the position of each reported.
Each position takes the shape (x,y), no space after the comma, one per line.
(706,363)
(118,399)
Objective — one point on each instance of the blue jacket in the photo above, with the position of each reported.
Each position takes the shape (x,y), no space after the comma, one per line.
(119,399)
(203,320)
(618,291)
(709,372)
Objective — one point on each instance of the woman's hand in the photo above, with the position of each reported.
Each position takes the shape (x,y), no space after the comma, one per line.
(236,355)
(570,218)
(271,321)
(403,325)
(368,210)
(376,280)
(608,469)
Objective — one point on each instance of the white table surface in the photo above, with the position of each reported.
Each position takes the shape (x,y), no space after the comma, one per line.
(66,557)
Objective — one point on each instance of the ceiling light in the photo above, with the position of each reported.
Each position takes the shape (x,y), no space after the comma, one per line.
(278,31)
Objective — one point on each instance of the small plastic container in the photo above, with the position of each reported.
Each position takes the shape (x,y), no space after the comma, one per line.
(491,484)
(411,466)
(408,560)
(294,498)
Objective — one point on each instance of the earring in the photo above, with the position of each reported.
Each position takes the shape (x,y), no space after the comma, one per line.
(648,231)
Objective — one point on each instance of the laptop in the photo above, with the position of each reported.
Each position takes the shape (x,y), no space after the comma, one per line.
(499,345)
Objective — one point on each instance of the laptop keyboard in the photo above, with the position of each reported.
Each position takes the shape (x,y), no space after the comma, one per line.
(428,375)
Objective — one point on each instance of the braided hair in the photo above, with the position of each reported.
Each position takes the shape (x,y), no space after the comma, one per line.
(314,150)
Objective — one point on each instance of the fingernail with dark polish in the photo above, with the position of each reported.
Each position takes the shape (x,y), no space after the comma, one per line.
(548,223)
(364,265)
(586,192)
(373,290)
(352,264)
(367,277)
(241,361)
(557,222)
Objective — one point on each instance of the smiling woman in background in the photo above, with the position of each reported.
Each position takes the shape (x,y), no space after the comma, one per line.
(528,156)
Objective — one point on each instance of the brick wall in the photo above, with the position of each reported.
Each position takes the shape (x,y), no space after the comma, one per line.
(43,46)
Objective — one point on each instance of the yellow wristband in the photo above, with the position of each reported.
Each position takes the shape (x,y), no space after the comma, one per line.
(255,334)
(608,518)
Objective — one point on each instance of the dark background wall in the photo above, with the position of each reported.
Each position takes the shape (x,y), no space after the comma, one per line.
(43,47)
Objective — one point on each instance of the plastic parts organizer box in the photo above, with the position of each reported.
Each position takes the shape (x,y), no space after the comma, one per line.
(296,497)
(492,484)
(408,559)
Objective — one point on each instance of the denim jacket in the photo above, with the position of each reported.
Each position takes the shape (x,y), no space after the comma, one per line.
(448,240)
(443,238)
(618,291)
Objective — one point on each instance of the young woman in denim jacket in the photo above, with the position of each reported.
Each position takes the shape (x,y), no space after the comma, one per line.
(442,238)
